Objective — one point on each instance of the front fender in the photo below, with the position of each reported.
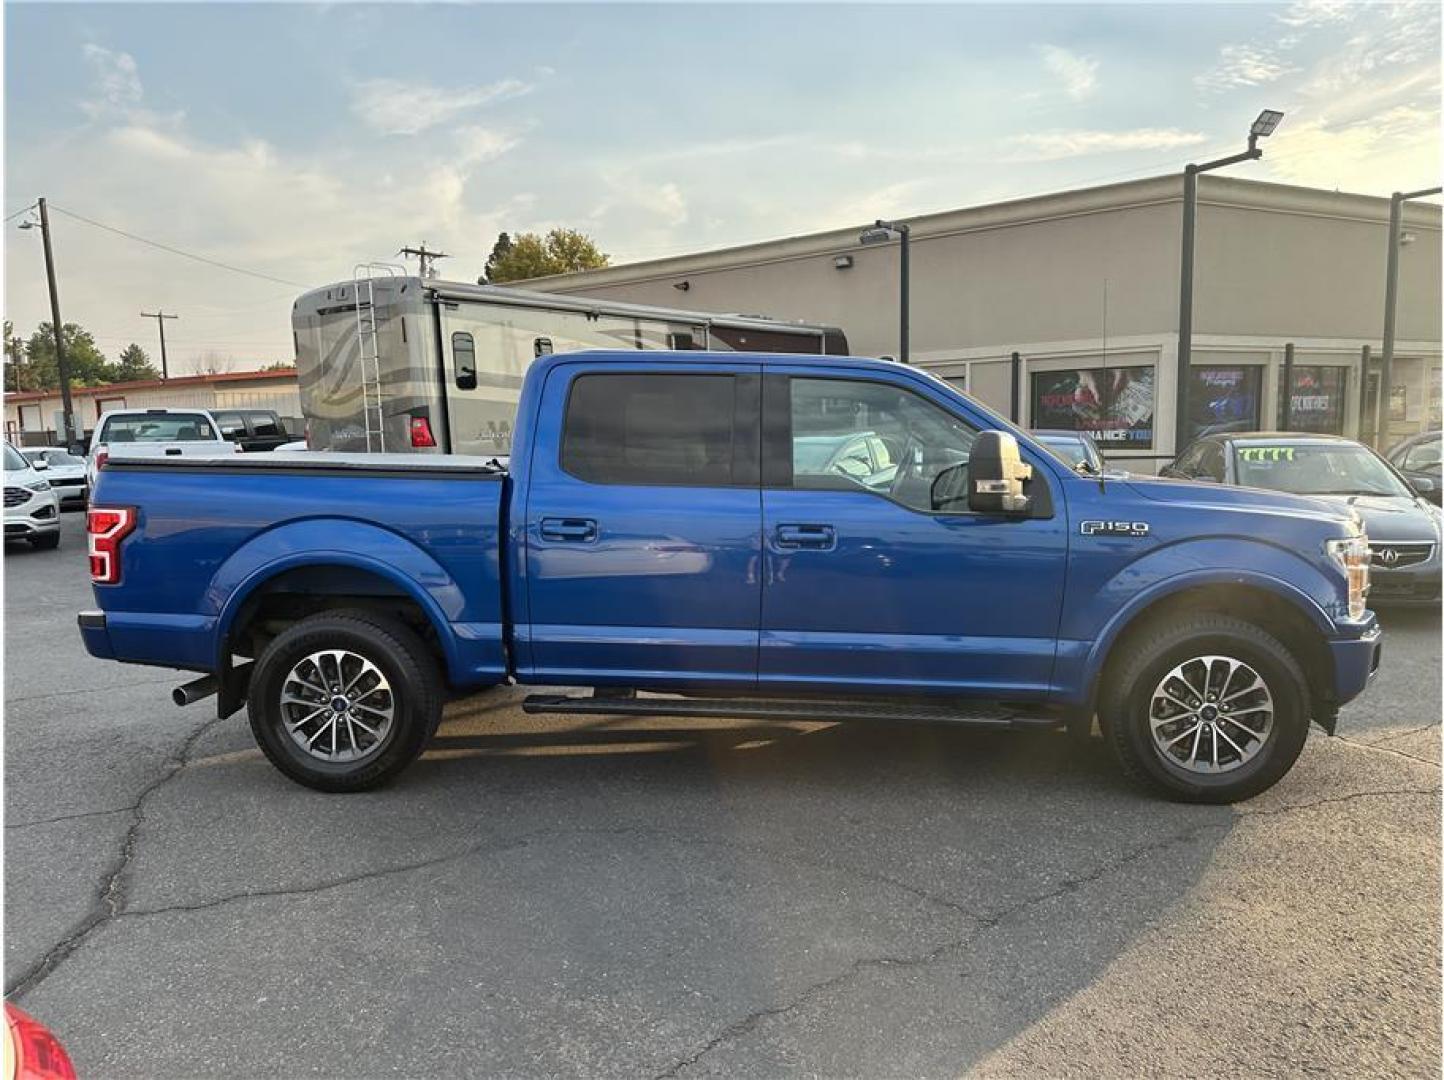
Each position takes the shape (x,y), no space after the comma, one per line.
(471,647)
(1095,616)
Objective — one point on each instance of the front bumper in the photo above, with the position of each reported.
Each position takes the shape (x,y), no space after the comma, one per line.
(36,516)
(1414,586)
(1356,660)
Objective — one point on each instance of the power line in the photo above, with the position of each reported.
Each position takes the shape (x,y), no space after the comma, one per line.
(177,251)
(22,210)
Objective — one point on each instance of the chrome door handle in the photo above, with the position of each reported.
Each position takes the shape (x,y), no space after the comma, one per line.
(812,537)
(575,530)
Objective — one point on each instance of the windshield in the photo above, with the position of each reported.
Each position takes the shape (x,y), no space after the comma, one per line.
(1072,452)
(1316,469)
(158,427)
(53,458)
(13,460)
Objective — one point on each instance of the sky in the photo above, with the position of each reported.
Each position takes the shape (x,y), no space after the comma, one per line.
(295,141)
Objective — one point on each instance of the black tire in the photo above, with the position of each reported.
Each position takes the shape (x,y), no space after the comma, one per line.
(400,656)
(46,541)
(1124,707)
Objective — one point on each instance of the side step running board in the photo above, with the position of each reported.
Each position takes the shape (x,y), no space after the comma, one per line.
(911,711)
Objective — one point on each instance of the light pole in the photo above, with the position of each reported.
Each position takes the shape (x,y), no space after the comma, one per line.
(1391,306)
(881,233)
(62,365)
(1262,128)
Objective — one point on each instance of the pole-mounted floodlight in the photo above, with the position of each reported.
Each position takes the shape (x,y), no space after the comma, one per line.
(1266,122)
(1264,126)
(880,233)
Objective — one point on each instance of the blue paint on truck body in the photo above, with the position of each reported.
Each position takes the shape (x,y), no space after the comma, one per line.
(540,576)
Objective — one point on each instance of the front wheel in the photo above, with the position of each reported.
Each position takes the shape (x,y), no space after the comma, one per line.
(1211,710)
(343,701)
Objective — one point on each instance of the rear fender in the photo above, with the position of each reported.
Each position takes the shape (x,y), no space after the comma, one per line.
(472,651)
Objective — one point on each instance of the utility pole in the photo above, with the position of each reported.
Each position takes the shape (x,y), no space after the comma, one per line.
(160,317)
(70,435)
(427,258)
(1391,306)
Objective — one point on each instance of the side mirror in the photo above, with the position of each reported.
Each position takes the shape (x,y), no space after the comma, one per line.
(995,475)
(1423,485)
(40,464)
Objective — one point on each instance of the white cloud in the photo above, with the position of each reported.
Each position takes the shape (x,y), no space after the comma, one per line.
(1054,145)
(1245,65)
(1306,13)
(397,107)
(117,82)
(475,145)
(1396,148)
(1078,74)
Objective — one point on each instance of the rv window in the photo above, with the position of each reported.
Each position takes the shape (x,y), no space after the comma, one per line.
(463,357)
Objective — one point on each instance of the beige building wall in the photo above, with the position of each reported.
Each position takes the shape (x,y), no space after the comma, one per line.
(1091,277)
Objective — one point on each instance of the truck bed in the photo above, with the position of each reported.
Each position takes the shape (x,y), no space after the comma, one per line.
(401,530)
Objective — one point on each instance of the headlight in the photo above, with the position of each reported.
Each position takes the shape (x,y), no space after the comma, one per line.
(39,485)
(1352,556)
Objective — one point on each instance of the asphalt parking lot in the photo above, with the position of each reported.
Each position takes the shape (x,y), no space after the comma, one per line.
(657,899)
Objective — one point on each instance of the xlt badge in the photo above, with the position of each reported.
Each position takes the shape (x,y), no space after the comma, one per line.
(1114,528)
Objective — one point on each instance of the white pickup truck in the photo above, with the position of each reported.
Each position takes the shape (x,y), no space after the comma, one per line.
(154,433)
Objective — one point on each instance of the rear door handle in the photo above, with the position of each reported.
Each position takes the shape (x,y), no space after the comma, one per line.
(813,537)
(574,530)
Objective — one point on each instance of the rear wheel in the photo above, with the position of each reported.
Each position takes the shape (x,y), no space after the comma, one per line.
(343,701)
(1212,709)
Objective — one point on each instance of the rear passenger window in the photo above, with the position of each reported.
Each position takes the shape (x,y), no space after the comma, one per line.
(263,423)
(662,429)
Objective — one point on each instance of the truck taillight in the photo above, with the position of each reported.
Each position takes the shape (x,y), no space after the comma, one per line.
(101,457)
(421,432)
(106,527)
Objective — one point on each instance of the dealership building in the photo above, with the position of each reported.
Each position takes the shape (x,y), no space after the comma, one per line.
(1083,286)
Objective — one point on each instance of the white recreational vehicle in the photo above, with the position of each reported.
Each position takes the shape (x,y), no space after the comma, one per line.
(405,364)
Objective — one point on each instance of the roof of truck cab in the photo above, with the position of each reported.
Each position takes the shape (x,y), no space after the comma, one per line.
(699,356)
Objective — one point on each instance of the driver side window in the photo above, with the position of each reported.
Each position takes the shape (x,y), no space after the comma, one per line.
(855,435)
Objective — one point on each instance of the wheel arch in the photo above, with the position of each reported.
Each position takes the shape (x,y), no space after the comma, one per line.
(270,585)
(1274,606)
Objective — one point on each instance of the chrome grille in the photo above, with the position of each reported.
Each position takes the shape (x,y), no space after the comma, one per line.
(1388,555)
(14,496)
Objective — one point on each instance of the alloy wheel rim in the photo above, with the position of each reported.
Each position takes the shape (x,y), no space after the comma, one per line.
(1210,714)
(337,706)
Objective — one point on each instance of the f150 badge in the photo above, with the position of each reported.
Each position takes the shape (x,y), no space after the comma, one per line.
(1114,528)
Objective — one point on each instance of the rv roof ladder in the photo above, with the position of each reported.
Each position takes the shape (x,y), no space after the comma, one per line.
(368,345)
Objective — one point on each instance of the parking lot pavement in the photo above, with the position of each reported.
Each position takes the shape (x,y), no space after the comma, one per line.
(687,899)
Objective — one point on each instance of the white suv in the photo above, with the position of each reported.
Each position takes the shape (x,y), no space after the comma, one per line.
(32,510)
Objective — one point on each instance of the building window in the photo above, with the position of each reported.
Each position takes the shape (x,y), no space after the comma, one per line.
(1317,400)
(1114,405)
(1223,399)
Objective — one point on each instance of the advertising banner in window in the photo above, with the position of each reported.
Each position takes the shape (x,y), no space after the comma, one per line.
(1317,400)
(1222,399)
(1114,405)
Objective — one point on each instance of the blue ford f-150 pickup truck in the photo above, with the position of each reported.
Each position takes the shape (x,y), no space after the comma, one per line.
(759,536)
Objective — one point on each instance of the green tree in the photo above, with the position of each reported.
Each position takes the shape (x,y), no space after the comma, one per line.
(133,365)
(88,366)
(528,255)
(15,362)
(499,252)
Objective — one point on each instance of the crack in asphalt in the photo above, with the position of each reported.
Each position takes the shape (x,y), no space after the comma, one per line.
(89,690)
(69,817)
(1387,750)
(1071,884)
(112,893)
